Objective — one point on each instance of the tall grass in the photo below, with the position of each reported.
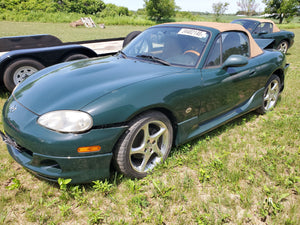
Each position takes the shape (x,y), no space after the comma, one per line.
(60,17)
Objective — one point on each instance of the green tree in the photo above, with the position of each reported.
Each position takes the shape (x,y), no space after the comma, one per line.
(247,6)
(219,9)
(82,6)
(78,6)
(113,10)
(160,9)
(281,9)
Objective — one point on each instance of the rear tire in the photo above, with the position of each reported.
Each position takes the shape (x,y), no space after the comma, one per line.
(271,94)
(130,37)
(145,144)
(18,70)
(283,46)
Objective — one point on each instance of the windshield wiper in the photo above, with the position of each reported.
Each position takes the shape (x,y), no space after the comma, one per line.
(123,54)
(154,59)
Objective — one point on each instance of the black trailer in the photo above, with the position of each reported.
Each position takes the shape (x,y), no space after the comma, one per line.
(21,56)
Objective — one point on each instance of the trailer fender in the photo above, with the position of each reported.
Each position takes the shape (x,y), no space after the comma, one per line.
(17,65)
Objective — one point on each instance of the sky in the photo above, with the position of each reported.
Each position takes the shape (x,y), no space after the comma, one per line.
(187,5)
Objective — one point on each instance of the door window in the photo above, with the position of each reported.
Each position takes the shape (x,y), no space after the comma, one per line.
(265,28)
(229,43)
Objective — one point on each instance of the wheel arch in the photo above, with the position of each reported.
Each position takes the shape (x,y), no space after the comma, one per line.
(287,40)
(168,113)
(280,74)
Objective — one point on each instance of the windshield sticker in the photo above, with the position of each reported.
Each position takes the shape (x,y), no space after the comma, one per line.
(193,33)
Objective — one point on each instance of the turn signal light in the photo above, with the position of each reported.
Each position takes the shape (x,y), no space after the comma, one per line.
(95,148)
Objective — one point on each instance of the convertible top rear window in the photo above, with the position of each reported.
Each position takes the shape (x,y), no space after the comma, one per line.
(250,25)
(169,45)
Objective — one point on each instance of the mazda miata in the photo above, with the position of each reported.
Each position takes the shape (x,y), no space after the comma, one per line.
(281,40)
(170,84)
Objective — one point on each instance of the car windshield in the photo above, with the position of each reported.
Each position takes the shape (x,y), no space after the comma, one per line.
(250,25)
(169,46)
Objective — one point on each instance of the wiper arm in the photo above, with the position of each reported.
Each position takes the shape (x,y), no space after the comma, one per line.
(123,54)
(155,59)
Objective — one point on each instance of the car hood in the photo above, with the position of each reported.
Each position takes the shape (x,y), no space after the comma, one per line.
(75,85)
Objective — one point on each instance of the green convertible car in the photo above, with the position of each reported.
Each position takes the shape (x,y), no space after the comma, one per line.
(170,84)
(266,29)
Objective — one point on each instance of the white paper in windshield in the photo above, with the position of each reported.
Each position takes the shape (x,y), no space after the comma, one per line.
(193,33)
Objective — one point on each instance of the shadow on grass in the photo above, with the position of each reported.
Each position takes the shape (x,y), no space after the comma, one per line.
(239,121)
(3,92)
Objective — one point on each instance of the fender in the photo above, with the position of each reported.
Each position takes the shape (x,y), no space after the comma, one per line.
(47,56)
(28,41)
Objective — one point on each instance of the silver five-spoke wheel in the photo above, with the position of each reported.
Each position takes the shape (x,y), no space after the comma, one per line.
(146,143)
(283,46)
(271,94)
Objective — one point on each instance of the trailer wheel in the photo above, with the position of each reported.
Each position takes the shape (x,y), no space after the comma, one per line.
(18,70)
(130,37)
(75,57)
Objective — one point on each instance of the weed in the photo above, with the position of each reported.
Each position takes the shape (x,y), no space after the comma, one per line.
(161,190)
(65,210)
(203,176)
(133,186)
(140,201)
(16,184)
(96,217)
(63,183)
(103,187)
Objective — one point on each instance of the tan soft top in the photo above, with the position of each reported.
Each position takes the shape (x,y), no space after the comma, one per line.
(255,50)
(275,28)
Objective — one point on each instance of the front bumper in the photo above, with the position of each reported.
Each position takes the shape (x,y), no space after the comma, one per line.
(53,155)
(80,169)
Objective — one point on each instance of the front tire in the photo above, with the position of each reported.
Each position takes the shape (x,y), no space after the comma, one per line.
(271,94)
(145,144)
(18,70)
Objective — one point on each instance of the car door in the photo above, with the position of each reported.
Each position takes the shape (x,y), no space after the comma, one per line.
(224,88)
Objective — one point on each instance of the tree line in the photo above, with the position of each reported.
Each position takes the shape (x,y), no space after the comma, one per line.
(88,7)
(155,10)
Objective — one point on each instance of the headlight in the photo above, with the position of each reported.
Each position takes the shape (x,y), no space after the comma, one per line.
(66,121)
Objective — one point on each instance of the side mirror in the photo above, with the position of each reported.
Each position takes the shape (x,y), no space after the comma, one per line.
(235,61)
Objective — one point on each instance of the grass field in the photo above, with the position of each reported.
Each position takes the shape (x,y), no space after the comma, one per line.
(65,32)
(245,172)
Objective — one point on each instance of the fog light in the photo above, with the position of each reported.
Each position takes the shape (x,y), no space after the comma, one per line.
(95,148)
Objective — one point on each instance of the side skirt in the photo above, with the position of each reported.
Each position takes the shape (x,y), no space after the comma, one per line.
(190,129)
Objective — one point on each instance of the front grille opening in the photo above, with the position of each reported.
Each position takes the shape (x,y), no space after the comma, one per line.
(51,166)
